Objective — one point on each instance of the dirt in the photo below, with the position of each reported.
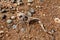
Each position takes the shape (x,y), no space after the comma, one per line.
(49,9)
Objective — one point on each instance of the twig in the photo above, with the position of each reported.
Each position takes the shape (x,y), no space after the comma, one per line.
(42,26)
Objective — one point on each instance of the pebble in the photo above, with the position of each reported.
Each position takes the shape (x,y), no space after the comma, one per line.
(32,10)
(28,4)
(20,16)
(12,8)
(19,2)
(3,10)
(13,1)
(30,1)
(1,32)
(6,0)
(14,26)
(43,14)
(41,0)
(7,35)
(58,6)
(38,6)
(13,17)
(29,14)
(20,13)
(22,29)
(2,26)
(57,20)
(9,21)
(52,31)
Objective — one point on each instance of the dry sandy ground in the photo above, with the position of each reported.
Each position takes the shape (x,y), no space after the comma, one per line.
(49,10)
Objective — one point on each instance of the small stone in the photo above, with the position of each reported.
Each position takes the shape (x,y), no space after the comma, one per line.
(20,13)
(28,4)
(4,10)
(58,6)
(41,0)
(13,1)
(44,14)
(57,20)
(19,2)
(29,14)
(14,26)
(32,10)
(12,8)
(13,17)
(52,31)
(7,35)
(2,26)
(1,32)
(9,21)
(22,30)
(6,0)
(30,1)
(38,6)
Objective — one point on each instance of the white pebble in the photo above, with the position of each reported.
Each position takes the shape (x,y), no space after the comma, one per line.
(19,2)
(9,21)
(12,17)
(29,14)
(28,4)
(1,32)
(57,20)
(30,1)
(38,6)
